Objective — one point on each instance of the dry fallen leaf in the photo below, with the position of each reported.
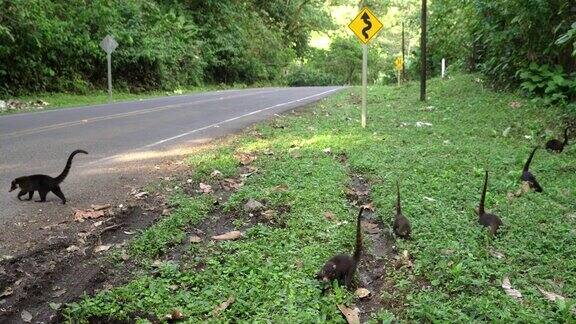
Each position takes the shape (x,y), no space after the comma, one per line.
(7,292)
(352,315)
(330,216)
(102,248)
(26,316)
(220,308)
(369,227)
(269,214)
(362,293)
(59,293)
(72,248)
(141,195)
(357,192)
(524,188)
(369,206)
(55,306)
(422,124)
(205,188)
(299,264)
(195,239)
(216,174)
(176,315)
(295,153)
(515,104)
(280,188)
(550,295)
(231,184)
(245,158)
(509,290)
(406,259)
(496,254)
(247,171)
(233,235)
(81,215)
(100,207)
(253,205)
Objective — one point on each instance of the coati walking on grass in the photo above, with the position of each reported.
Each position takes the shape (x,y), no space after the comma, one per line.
(43,183)
(491,221)
(528,176)
(342,267)
(555,145)
(401,224)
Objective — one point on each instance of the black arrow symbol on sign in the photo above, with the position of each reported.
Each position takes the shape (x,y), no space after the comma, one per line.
(366,18)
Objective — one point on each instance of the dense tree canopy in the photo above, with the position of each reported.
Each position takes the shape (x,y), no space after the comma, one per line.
(52,45)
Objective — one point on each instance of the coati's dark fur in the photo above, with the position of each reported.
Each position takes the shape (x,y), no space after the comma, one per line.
(491,221)
(555,145)
(43,183)
(528,176)
(401,224)
(342,267)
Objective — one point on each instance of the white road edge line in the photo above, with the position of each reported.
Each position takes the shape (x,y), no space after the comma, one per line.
(215,124)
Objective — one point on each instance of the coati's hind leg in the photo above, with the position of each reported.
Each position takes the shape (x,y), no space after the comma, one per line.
(59,193)
(348,279)
(42,194)
(30,194)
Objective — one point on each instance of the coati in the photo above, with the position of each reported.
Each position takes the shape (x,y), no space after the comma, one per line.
(43,183)
(528,176)
(401,224)
(486,219)
(342,267)
(555,145)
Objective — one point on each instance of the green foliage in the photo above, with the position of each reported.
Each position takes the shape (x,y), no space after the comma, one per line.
(52,45)
(306,75)
(502,38)
(569,36)
(551,84)
(341,64)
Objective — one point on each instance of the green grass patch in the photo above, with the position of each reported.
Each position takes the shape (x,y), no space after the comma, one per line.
(456,276)
(205,163)
(69,100)
(170,231)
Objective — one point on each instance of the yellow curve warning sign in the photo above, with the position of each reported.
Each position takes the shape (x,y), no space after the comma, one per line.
(365,25)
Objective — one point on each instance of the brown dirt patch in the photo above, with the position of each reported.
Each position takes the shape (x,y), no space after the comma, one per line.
(67,266)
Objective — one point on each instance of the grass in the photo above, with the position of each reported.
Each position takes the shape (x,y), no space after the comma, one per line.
(69,100)
(456,276)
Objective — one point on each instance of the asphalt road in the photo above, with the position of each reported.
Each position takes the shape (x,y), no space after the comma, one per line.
(40,142)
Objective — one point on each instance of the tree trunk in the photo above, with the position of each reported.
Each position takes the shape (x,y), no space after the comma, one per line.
(423,53)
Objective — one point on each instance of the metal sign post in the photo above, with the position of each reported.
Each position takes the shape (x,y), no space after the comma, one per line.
(109,44)
(364,81)
(109,59)
(365,26)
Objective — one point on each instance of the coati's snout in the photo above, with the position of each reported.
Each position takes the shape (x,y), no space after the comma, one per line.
(14,186)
